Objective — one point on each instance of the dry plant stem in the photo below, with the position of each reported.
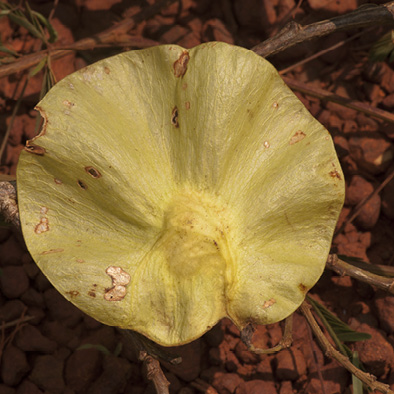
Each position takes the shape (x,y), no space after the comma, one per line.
(154,373)
(17,321)
(294,33)
(9,204)
(114,35)
(342,268)
(368,379)
(346,102)
(285,342)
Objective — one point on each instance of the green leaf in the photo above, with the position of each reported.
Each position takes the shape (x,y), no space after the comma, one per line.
(383,48)
(357,383)
(38,67)
(9,51)
(99,347)
(340,329)
(53,36)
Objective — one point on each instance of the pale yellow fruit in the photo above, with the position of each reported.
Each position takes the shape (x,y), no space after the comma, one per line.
(170,188)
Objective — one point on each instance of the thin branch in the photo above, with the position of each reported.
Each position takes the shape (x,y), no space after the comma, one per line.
(285,342)
(114,35)
(342,268)
(368,379)
(346,102)
(9,204)
(154,373)
(294,33)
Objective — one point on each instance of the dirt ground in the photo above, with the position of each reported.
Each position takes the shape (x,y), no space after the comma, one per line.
(42,355)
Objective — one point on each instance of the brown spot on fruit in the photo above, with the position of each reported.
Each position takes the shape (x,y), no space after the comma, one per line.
(269,303)
(174,117)
(82,185)
(303,288)
(275,105)
(180,65)
(80,260)
(42,227)
(72,293)
(36,149)
(187,105)
(107,70)
(68,104)
(120,279)
(335,174)
(93,172)
(58,181)
(266,144)
(50,251)
(91,293)
(297,137)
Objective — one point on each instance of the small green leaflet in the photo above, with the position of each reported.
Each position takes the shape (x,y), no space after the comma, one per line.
(342,331)
(383,48)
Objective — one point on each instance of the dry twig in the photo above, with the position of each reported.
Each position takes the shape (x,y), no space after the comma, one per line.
(294,33)
(285,342)
(343,268)
(368,379)
(154,373)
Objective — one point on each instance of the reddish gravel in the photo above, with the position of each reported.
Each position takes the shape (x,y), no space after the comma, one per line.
(42,355)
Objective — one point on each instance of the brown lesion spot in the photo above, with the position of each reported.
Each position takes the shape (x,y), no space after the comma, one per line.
(92,294)
(174,117)
(35,149)
(93,171)
(180,65)
(120,279)
(335,174)
(72,293)
(82,185)
(297,137)
(304,289)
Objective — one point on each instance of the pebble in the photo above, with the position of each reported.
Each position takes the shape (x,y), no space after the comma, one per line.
(226,383)
(11,252)
(13,281)
(12,310)
(47,374)
(384,304)
(376,354)
(335,377)
(256,387)
(291,364)
(61,309)
(82,367)
(27,387)
(113,380)
(30,339)
(14,365)
(373,154)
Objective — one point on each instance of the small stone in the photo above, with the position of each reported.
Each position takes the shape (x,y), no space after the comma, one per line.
(264,369)
(47,374)
(27,387)
(244,355)
(388,101)
(12,310)
(226,383)
(61,309)
(11,252)
(291,364)
(357,191)
(376,353)
(32,297)
(13,281)
(385,310)
(30,339)
(373,154)
(216,30)
(4,389)
(82,367)
(189,369)
(256,387)
(336,7)
(215,336)
(335,380)
(388,200)
(59,333)
(286,388)
(14,365)
(113,380)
